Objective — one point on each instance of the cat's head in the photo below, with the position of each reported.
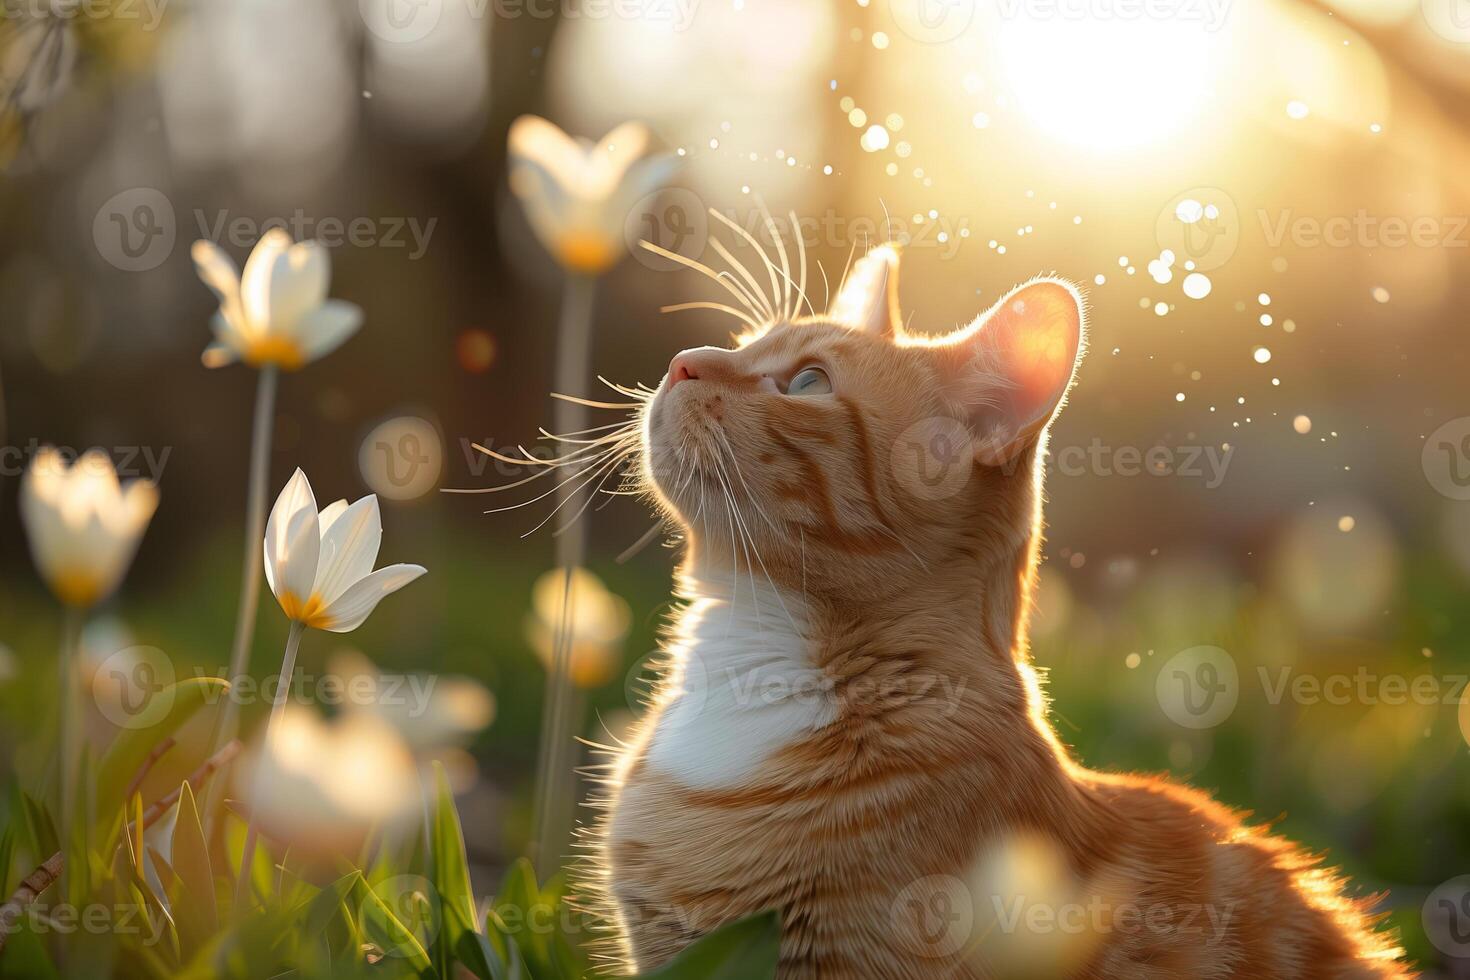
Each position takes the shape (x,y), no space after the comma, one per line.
(839,450)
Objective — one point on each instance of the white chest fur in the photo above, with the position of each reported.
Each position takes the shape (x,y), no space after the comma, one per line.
(743,687)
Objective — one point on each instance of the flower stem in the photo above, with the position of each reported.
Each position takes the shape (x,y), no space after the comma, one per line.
(228,723)
(260,442)
(556,778)
(278,708)
(71,728)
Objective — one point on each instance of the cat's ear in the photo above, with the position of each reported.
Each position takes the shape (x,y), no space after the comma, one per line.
(1011,369)
(868,300)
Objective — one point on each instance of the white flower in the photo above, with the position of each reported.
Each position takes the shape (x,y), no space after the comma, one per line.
(323,786)
(320,566)
(578,195)
(599,620)
(83,526)
(278,312)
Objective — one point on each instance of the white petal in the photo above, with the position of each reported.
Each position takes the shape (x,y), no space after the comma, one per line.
(349,548)
(292,541)
(298,284)
(354,605)
(218,271)
(323,330)
(218,355)
(329,514)
(614,155)
(271,285)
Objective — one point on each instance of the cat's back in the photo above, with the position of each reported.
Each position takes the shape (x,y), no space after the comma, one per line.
(1193,890)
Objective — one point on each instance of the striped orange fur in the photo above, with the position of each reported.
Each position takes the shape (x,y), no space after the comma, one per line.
(849,729)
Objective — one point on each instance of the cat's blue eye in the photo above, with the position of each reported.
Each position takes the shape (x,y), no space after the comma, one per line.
(810,381)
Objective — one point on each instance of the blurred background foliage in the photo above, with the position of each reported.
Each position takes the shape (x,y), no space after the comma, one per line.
(1021,144)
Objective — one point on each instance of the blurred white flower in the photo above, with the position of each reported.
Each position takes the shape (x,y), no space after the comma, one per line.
(278,311)
(599,620)
(320,566)
(578,195)
(321,785)
(83,526)
(430,711)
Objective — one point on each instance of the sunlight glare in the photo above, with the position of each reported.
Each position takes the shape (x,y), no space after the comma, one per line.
(1110,84)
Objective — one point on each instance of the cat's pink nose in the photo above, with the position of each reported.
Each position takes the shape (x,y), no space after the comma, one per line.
(700,362)
(681,369)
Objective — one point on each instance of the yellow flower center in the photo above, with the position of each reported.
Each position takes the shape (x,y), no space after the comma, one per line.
(77,588)
(309,613)
(274,349)
(585,252)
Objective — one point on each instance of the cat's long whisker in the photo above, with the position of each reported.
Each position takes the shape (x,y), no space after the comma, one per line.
(752,288)
(744,318)
(546,466)
(596,428)
(607,470)
(759,250)
(699,267)
(601,440)
(597,469)
(751,538)
(735,547)
(622,406)
(593,463)
(643,396)
(785,260)
(735,462)
(801,251)
(647,538)
(826,287)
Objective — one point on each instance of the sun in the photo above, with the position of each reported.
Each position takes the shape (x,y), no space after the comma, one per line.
(1112,84)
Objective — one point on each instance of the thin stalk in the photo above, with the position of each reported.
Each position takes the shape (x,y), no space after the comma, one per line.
(555,779)
(278,708)
(71,726)
(260,443)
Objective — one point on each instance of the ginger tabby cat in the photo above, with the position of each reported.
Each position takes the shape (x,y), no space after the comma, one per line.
(848,728)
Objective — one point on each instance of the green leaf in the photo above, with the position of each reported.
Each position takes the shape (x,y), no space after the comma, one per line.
(519,900)
(451,874)
(40,827)
(7,855)
(191,857)
(477,955)
(381,927)
(132,746)
(744,950)
(24,956)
